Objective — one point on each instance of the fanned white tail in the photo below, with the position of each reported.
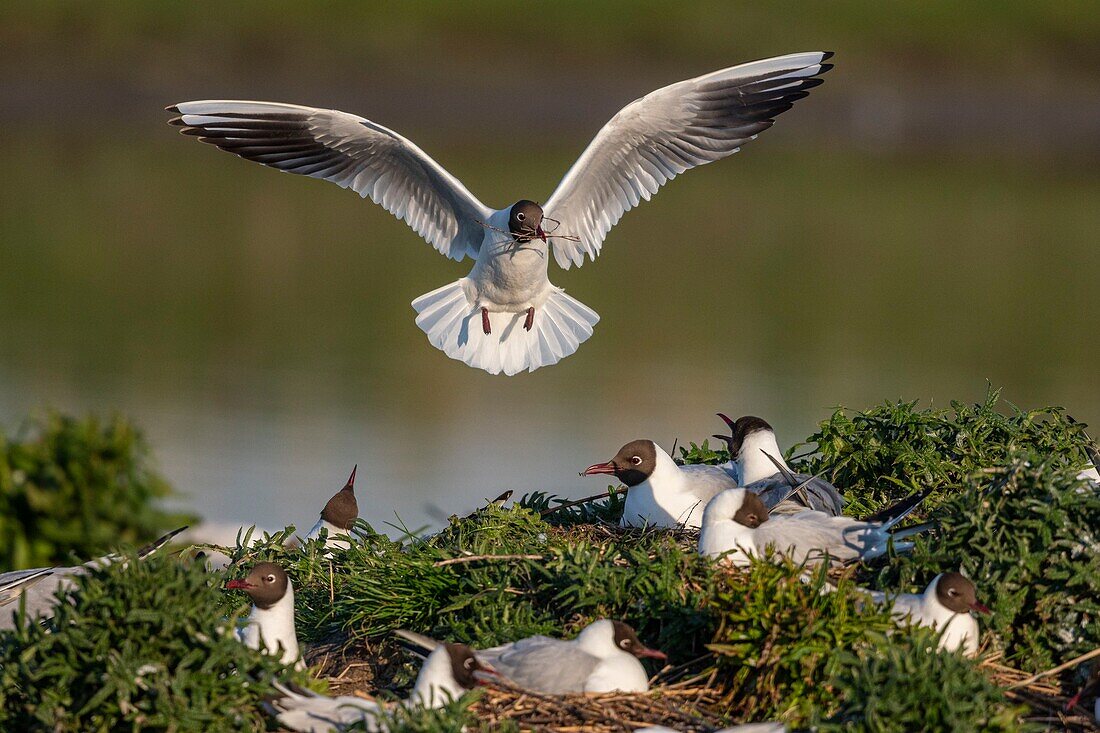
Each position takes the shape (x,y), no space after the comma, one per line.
(454,326)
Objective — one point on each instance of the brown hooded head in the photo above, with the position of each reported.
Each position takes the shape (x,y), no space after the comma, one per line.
(957,593)
(342,510)
(752,512)
(525,221)
(634,463)
(628,641)
(464,664)
(740,429)
(266,584)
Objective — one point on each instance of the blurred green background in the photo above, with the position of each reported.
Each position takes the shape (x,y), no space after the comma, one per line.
(926,220)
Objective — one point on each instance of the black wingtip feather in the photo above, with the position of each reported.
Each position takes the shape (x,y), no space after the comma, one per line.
(825,68)
(826,55)
(173,108)
(176,122)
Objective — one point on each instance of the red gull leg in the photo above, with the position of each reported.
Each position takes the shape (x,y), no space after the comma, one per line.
(530,320)
(485,321)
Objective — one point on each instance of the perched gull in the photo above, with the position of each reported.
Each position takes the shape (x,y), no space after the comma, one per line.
(737,522)
(270,626)
(604,657)
(761,469)
(338,516)
(39,586)
(506,316)
(661,493)
(945,606)
(446,674)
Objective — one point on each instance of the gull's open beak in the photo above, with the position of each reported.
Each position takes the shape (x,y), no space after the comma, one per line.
(975,606)
(540,234)
(726,420)
(237,585)
(351,479)
(598,468)
(652,654)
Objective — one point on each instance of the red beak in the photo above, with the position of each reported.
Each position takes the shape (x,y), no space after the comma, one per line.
(238,585)
(975,606)
(540,234)
(598,468)
(351,479)
(1074,700)
(652,654)
(484,668)
(726,420)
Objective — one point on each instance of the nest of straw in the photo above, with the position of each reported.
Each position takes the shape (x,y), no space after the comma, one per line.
(682,698)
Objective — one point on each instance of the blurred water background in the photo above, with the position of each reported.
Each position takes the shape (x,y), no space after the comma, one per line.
(928,220)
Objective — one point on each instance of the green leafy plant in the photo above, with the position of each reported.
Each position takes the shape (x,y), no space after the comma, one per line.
(783,636)
(77,488)
(879,456)
(1031,547)
(137,645)
(904,684)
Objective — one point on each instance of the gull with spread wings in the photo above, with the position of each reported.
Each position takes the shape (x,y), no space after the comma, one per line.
(505,315)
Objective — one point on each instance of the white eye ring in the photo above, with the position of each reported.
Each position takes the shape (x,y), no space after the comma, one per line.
(468,664)
(624,643)
(271,579)
(636,461)
(521,216)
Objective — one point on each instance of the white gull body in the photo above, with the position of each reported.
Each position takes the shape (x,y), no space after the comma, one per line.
(332,539)
(802,537)
(673,495)
(589,663)
(645,145)
(272,629)
(597,660)
(958,630)
(309,712)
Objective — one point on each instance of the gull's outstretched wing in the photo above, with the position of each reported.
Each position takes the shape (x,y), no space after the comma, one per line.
(352,152)
(666,132)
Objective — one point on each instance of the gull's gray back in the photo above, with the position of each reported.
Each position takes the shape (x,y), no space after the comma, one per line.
(822,496)
(808,535)
(543,664)
(40,593)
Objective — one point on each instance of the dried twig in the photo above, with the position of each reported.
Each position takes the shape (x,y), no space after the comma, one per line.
(1060,668)
(475,558)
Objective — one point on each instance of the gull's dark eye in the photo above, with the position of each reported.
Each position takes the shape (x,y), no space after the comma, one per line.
(521,216)
(469,663)
(270,579)
(953,592)
(625,643)
(636,461)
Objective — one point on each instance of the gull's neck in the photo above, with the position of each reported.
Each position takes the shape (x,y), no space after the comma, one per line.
(754,464)
(666,476)
(276,626)
(436,684)
(598,639)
